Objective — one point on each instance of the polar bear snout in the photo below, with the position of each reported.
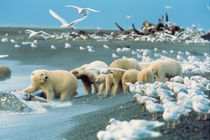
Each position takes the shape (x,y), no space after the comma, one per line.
(45,79)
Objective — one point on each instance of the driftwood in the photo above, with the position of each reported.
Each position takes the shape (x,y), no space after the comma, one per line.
(136,31)
(121,29)
(147,24)
(150,28)
(167,17)
(81,32)
(207,36)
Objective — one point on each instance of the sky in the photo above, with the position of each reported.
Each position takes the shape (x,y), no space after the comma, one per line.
(35,13)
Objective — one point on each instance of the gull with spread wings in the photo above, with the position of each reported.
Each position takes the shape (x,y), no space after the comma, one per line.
(106,70)
(63,21)
(34,33)
(84,11)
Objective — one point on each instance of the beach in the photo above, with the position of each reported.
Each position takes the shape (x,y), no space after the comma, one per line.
(94,111)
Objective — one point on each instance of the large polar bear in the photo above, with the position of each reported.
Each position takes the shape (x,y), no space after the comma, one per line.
(5,73)
(162,69)
(88,73)
(114,80)
(130,76)
(57,83)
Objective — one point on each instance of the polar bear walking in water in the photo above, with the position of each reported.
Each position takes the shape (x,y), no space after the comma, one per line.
(58,83)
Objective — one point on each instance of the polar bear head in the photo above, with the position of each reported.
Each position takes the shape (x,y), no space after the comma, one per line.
(145,75)
(101,78)
(39,76)
(76,73)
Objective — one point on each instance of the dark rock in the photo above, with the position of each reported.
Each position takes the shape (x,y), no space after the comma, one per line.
(5,73)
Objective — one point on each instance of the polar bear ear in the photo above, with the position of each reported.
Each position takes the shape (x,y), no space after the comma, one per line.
(75,72)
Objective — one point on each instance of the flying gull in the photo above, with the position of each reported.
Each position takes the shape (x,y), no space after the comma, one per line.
(84,11)
(63,21)
(168,7)
(34,33)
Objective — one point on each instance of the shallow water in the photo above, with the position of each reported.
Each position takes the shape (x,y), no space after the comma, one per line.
(49,125)
(55,121)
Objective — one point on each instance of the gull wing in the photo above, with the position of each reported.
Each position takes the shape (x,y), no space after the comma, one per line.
(63,21)
(43,32)
(118,69)
(73,6)
(89,9)
(30,31)
(76,21)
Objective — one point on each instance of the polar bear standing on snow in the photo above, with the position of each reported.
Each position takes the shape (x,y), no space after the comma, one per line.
(57,83)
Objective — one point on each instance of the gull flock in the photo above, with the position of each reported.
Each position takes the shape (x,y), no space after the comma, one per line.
(171,100)
(189,36)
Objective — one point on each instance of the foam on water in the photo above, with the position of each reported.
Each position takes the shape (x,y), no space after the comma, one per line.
(36,106)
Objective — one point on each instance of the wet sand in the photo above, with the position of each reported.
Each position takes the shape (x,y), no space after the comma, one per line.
(122,107)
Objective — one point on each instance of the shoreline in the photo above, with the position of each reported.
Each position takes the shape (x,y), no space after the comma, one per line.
(90,123)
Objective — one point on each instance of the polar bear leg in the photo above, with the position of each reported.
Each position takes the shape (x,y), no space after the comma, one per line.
(64,96)
(101,88)
(161,76)
(108,85)
(94,88)
(31,89)
(116,87)
(87,87)
(125,88)
(50,94)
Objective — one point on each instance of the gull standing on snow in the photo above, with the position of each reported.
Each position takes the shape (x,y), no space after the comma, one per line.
(63,21)
(84,11)
(170,116)
(154,108)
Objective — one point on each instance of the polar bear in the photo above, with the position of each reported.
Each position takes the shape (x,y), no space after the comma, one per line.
(114,80)
(162,69)
(5,73)
(58,83)
(146,76)
(88,78)
(100,81)
(144,64)
(129,76)
(88,73)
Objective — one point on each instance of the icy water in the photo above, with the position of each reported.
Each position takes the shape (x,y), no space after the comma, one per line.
(56,119)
